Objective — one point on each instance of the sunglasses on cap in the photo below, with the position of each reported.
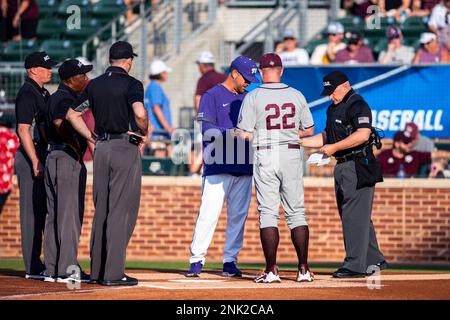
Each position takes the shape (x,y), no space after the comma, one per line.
(289,38)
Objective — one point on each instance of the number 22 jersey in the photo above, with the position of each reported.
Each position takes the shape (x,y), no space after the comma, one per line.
(274,112)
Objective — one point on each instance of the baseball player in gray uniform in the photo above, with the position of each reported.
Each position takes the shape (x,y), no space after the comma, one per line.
(275,116)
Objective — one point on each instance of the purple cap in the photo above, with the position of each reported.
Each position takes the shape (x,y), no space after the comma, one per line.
(247,67)
(393,32)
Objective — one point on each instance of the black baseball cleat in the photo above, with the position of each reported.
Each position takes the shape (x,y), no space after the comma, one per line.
(376,267)
(346,273)
(125,281)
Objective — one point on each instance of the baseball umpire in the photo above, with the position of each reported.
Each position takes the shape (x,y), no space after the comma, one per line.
(275,116)
(65,178)
(117,101)
(227,174)
(347,137)
(29,162)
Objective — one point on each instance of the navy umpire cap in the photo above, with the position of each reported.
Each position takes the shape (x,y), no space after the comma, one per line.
(121,50)
(73,67)
(246,67)
(331,81)
(39,59)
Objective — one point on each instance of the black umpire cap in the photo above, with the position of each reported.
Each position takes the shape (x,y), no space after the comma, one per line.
(39,59)
(331,81)
(121,50)
(73,67)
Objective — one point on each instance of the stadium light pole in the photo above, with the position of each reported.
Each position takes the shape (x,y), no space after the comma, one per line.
(143,47)
(333,11)
(212,10)
(178,25)
(302,22)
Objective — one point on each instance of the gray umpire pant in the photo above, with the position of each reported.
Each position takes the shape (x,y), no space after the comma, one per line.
(117,190)
(32,209)
(355,209)
(65,182)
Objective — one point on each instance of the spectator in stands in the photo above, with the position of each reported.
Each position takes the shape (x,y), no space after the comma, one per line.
(355,52)
(440,169)
(326,53)
(394,8)
(431,51)
(158,108)
(357,8)
(9,143)
(419,142)
(19,19)
(210,77)
(289,53)
(396,51)
(401,161)
(419,8)
(439,22)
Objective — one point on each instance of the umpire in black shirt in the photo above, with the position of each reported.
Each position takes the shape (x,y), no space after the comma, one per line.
(65,178)
(116,100)
(347,138)
(30,159)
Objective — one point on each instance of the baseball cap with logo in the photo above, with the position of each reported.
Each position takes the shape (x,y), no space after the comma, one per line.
(158,66)
(121,50)
(247,67)
(335,28)
(205,57)
(73,67)
(270,60)
(400,136)
(39,59)
(411,130)
(331,81)
(427,37)
(393,32)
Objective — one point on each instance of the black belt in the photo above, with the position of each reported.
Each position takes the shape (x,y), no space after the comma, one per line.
(290,146)
(66,149)
(352,155)
(112,136)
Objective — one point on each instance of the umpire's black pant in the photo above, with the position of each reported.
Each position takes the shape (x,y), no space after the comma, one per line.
(355,209)
(117,190)
(32,209)
(65,182)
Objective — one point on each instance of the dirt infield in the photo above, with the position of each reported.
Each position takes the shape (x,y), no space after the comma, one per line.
(173,285)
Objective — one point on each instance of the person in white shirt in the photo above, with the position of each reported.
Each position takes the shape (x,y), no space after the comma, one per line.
(326,53)
(439,22)
(396,52)
(289,53)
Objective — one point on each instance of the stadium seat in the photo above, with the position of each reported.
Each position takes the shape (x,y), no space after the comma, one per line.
(414,26)
(47,8)
(59,50)
(376,31)
(88,27)
(50,28)
(379,46)
(17,50)
(107,8)
(352,23)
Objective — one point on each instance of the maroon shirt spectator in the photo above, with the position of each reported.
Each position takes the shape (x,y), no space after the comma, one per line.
(401,155)
(355,52)
(429,4)
(24,13)
(210,77)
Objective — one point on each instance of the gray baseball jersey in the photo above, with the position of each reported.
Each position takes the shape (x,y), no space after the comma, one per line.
(274,112)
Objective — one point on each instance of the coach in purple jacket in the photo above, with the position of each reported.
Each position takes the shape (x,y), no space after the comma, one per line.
(228,168)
